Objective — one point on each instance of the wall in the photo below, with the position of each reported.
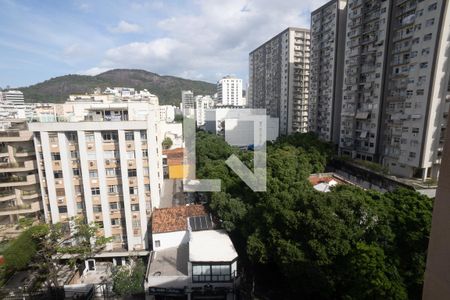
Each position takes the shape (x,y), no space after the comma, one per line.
(170,239)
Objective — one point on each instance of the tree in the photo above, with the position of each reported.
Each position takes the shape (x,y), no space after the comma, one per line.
(167,143)
(56,242)
(129,279)
(295,242)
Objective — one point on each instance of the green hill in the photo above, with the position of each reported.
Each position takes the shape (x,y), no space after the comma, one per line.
(167,88)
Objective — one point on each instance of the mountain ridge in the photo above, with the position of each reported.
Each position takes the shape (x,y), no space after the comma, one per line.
(168,88)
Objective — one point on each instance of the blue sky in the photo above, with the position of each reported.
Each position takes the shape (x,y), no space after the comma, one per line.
(192,39)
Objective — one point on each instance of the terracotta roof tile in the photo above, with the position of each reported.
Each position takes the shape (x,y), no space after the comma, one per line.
(175,218)
(174,156)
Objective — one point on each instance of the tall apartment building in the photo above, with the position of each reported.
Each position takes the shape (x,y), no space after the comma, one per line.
(187,99)
(229,91)
(102,161)
(395,84)
(19,185)
(279,79)
(327,62)
(365,58)
(415,109)
(202,103)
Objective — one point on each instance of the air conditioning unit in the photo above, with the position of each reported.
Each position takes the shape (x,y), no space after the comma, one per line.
(107,162)
(91,163)
(60,201)
(131,181)
(97,217)
(129,145)
(89,146)
(130,164)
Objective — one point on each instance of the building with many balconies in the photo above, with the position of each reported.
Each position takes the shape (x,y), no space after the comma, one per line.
(327,61)
(279,79)
(19,185)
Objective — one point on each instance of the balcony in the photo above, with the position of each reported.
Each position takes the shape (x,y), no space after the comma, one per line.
(21,209)
(28,195)
(15,136)
(18,166)
(7,195)
(18,180)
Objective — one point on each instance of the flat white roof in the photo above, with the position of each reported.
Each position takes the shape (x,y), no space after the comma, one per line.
(211,246)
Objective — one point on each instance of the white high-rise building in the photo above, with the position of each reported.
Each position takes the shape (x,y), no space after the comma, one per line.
(187,100)
(201,104)
(101,160)
(279,79)
(229,91)
(13,97)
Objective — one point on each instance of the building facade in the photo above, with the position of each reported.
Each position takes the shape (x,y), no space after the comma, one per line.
(394,102)
(229,91)
(102,161)
(327,62)
(202,103)
(279,79)
(187,100)
(12,96)
(20,194)
(417,90)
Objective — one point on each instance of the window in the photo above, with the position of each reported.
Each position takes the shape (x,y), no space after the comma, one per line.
(93,174)
(114,205)
(109,136)
(134,207)
(110,172)
(133,190)
(113,189)
(80,205)
(415,130)
(71,136)
(136,223)
(62,209)
(97,208)
(425,51)
(74,154)
(412,154)
(89,137)
(58,174)
(95,191)
(157,243)
(419,92)
(144,153)
(208,273)
(427,37)
(78,190)
(116,238)
(56,156)
(130,155)
(143,135)
(146,171)
(432,7)
(147,187)
(430,22)
(115,222)
(423,65)
(132,173)
(91,156)
(129,135)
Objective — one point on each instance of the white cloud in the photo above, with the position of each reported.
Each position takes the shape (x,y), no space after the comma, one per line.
(126,27)
(213,37)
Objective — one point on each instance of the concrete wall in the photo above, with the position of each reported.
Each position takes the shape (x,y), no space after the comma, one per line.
(170,239)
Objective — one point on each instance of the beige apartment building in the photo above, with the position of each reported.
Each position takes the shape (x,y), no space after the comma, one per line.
(19,185)
(279,79)
(102,160)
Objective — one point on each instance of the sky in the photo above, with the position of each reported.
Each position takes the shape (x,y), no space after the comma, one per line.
(193,39)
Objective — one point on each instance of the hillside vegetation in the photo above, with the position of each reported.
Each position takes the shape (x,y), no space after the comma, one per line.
(167,88)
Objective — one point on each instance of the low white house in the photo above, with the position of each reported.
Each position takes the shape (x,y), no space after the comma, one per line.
(190,258)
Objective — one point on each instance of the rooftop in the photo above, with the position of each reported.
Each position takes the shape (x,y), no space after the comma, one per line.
(174,156)
(211,246)
(170,262)
(175,218)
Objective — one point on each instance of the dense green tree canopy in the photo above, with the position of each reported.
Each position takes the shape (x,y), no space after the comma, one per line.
(298,243)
